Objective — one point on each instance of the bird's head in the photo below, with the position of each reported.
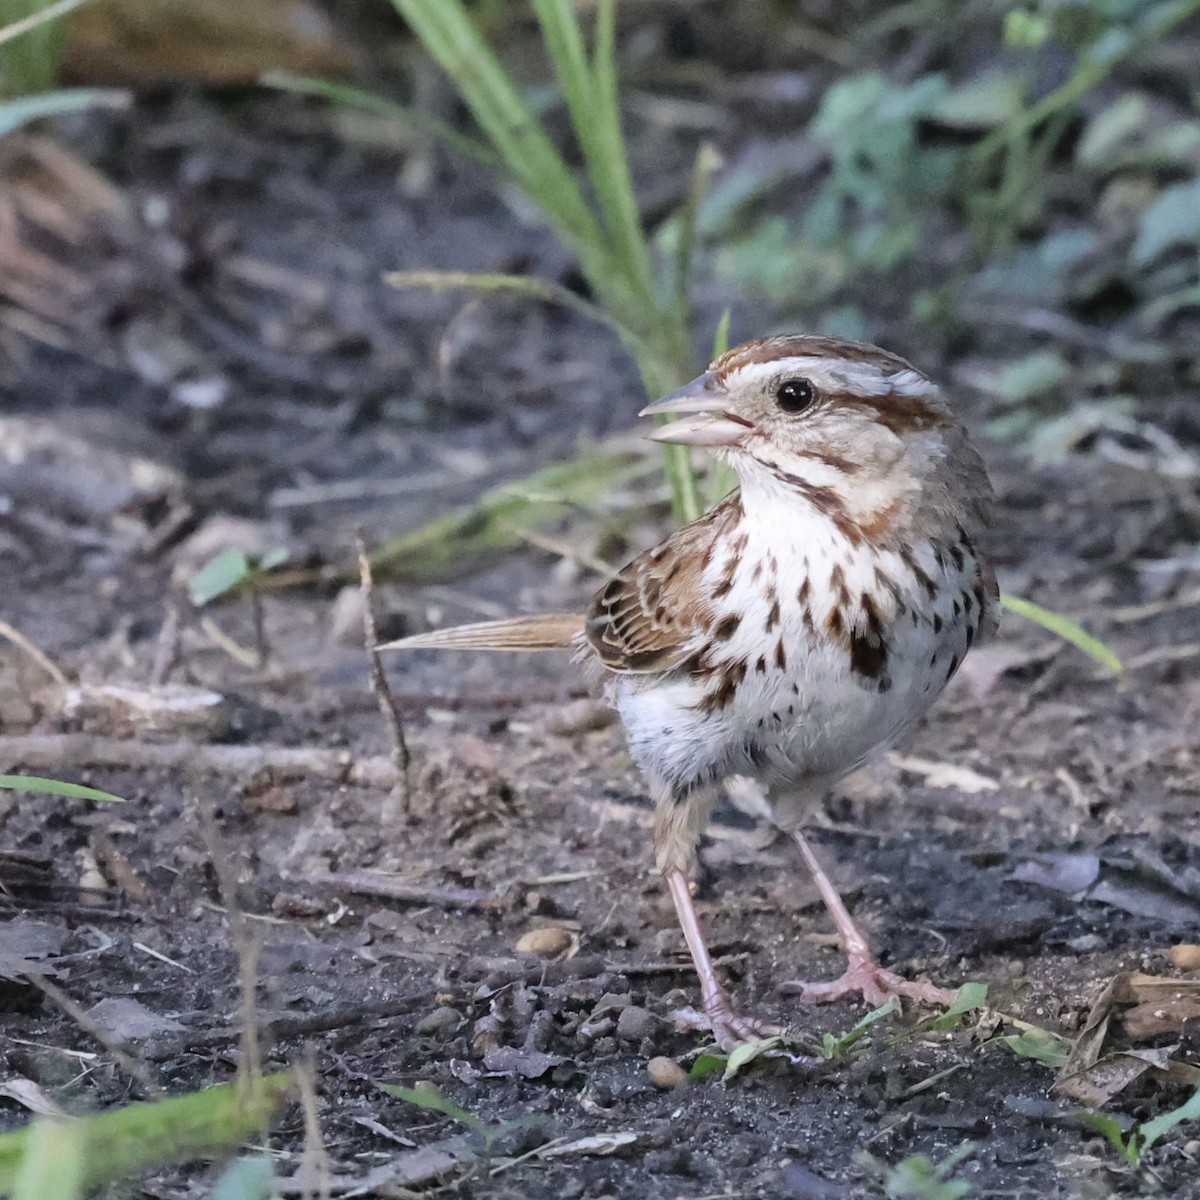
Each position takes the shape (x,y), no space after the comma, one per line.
(808,413)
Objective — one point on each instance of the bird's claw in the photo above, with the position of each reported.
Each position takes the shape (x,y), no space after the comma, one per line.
(729,1028)
(877,985)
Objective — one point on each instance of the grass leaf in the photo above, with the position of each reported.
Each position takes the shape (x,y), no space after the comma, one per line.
(1150,1131)
(706,1065)
(834,1045)
(458,540)
(56,787)
(527,153)
(351,97)
(1065,628)
(15,113)
(122,1141)
(745,1053)
(1041,1045)
(426,1096)
(1111,1129)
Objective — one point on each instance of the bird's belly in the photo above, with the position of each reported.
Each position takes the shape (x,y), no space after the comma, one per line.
(816,720)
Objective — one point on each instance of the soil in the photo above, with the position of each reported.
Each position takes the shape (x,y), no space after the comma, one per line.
(525,813)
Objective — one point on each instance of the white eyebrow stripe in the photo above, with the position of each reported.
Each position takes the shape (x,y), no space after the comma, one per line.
(867,378)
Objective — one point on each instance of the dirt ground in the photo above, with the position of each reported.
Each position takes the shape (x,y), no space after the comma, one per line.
(1039,833)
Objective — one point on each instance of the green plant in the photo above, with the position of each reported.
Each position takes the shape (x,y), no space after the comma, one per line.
(601,223)
(56,787)
(36,37)
(60,1158)
(1132,1145)
(918,1177)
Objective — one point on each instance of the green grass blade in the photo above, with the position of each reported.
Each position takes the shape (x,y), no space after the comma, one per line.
(532,286)
(460,541)
(122,1141)
(1065,628)
(528,154)
(35,20)
(351,97)
(1150,1131)
(53,1165)
(15,113)
(708,162)
(56,787)
(608,163)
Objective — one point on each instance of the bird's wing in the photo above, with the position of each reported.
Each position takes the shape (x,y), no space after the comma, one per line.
(648,617)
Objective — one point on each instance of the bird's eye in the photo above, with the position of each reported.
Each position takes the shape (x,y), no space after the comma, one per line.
(795,395)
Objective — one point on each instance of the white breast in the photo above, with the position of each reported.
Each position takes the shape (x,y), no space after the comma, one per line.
(805,710)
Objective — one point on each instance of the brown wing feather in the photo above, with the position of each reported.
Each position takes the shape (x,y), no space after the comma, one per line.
(646,618)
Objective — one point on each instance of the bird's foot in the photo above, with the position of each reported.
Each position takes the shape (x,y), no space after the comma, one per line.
(864,976)
(728,1027)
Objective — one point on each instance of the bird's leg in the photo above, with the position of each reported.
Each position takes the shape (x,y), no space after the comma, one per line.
(863,975)
(677,830)
(728,1026)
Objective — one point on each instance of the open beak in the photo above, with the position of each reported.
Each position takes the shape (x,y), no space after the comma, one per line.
(714,426)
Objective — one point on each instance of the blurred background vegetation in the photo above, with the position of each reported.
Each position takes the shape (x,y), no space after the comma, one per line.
(938,175)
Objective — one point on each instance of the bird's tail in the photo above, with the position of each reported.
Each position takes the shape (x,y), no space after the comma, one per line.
(547,631)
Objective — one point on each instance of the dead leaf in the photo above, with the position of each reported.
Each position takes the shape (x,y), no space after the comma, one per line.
(1070,873)
(598,1144)
(143,42)
(1160,1005)
(945,775)
(127,1020)
(529,1064)
(27,1093)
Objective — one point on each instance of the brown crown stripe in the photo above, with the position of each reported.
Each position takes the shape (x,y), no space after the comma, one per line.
(798,345)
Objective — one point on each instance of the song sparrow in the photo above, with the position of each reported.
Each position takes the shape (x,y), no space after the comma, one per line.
(803,624)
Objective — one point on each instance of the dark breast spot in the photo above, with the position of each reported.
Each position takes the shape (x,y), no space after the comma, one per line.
(726,627)
(868,656)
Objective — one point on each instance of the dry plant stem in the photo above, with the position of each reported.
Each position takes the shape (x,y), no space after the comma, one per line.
(400,798)
(863,975)
(262,648)
(39,656)
(366,883)
(339,1016)
(130,1065)
(314,1169)
(247,945)
(54,750)
(166,650)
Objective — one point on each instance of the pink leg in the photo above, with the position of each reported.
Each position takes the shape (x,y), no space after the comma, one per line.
(863,974)
(728,1027)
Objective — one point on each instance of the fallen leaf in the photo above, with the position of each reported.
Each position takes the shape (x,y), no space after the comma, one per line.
(598,1144)
(945,775)
(127,1020)
(1070,873)
(529,1064)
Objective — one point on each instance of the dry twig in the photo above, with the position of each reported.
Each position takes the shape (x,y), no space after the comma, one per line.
(400,799)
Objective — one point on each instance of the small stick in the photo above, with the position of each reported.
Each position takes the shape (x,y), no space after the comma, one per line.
(368,883)
(132,1066)
(166,650)
(401,796)
(39,656)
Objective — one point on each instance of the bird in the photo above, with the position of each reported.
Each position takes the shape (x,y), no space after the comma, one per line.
(797,629)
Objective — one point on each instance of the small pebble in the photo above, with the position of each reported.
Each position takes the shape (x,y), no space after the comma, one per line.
(665,1073)
(547,942)
(439,1020)
(635,1023)
(1086,943)
(1185,956)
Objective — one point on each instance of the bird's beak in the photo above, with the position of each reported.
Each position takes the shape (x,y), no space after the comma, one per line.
(713,427)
